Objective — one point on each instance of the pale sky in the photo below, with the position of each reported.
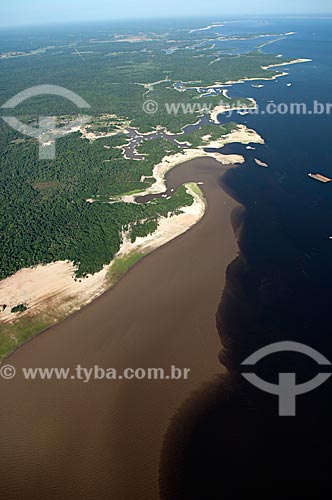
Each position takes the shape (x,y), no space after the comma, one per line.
(29,12)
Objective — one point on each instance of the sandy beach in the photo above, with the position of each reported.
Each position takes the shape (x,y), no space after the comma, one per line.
(294,61)
(53,291)
(228,109)
(273,77)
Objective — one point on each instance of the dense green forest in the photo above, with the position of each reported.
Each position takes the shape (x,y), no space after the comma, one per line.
(44,215)
(44,212)
(112,75)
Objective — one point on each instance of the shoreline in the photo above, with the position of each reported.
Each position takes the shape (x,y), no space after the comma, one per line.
(51,292)
(52,287)
(223,108)
(294,61)
(255,79)
(273,77)
(242,135)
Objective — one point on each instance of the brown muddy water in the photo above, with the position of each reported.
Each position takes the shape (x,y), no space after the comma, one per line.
(72,440)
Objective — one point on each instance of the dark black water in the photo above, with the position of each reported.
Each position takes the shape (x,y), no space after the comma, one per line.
(279,288)
(299,143)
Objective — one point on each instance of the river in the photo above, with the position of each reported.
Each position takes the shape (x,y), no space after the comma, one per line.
(102,439)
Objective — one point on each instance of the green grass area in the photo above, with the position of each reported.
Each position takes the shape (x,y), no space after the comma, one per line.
(196,189)
(121,265)
(15,334)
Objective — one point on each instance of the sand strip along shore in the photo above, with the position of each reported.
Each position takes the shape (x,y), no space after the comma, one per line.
(294,61)
(53,290)
(274,77)
(254,79)
(224,108)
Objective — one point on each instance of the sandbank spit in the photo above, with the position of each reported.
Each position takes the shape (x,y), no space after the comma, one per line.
(279,75)
(53,290)
(261,163)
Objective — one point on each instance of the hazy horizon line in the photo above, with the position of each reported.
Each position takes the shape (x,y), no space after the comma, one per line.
(218,17)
